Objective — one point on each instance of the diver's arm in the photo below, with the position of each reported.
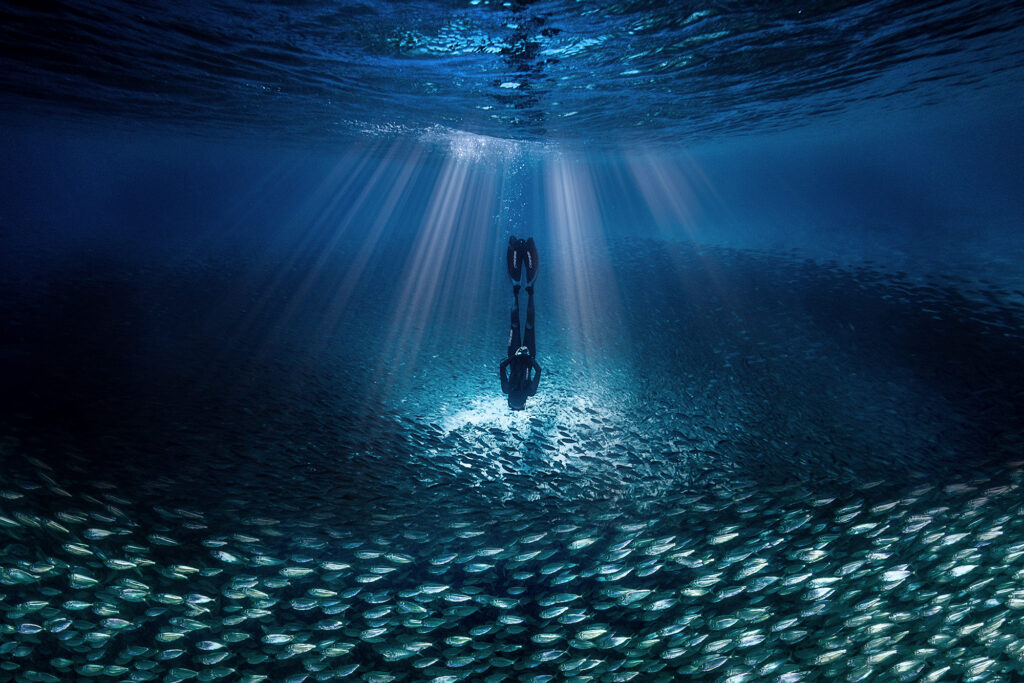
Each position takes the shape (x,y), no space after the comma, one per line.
(536,379)
(503,375)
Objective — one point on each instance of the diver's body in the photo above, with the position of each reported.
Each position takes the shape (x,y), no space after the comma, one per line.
(520,372)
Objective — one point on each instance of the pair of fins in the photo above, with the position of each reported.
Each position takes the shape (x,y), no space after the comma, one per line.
(522,254)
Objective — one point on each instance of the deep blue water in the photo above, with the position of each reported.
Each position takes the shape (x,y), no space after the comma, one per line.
(253,300)
(593,73)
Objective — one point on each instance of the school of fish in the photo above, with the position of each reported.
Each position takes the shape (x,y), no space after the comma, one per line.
(712,523)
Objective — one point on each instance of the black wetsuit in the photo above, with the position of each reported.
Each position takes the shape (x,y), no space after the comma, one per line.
(515,371)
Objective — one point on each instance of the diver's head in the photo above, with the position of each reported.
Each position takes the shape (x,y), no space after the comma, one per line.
(523,352)
(516,402)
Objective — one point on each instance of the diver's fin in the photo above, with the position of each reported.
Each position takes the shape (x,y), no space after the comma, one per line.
(514,260)
(530,260)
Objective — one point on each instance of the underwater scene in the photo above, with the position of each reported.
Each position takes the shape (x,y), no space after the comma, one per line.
(539,340)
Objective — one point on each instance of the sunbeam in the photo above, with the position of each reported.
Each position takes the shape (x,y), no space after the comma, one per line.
(380,227)
(455,229)
(673,191)
(585,287)
(303,249)
(676,192)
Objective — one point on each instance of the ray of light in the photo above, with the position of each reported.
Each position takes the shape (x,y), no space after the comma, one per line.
(675,192)
(257,296)
(438,291)
(586,290)
(380,227)
(335,213)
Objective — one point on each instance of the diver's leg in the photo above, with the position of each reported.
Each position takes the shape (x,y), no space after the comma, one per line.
(530,260)
(513,334)
(530,340)
(513,259)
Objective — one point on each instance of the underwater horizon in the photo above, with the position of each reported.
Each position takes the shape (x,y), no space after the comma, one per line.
(254,294)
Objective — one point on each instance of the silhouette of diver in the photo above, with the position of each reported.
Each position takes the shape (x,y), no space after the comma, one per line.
(516,369)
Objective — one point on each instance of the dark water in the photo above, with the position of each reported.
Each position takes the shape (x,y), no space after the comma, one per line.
(253,300)
(582,72)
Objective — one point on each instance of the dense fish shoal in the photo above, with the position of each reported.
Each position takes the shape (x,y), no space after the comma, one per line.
(766,468)
(762,583)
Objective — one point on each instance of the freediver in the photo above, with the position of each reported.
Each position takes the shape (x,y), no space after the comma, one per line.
(515,370)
